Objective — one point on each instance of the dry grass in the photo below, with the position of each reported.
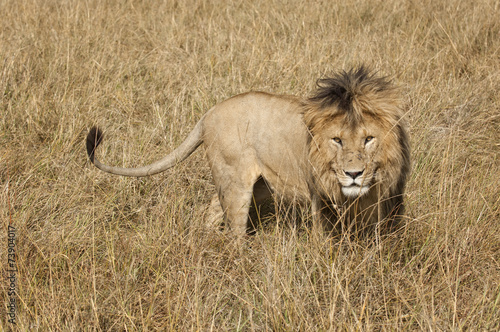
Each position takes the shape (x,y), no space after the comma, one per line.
(100,252)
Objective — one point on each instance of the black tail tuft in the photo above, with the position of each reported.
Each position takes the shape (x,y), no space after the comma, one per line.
(94,138)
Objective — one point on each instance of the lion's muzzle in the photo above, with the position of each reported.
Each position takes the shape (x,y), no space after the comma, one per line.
(354,183)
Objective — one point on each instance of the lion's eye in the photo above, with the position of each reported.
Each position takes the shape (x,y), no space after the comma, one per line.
(337,140)
(368,139)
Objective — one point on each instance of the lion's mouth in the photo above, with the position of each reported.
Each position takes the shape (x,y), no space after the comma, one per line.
(355,190)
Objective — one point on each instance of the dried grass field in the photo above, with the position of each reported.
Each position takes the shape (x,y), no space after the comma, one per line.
(98,252)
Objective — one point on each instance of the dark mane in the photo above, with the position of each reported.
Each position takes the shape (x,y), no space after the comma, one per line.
(343,87)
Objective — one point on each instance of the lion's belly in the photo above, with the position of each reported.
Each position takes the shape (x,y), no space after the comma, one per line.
(284,185)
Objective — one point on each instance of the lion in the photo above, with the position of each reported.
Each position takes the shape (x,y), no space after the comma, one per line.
(344,150)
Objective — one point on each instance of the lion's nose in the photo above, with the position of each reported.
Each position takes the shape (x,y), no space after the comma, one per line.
(353,175)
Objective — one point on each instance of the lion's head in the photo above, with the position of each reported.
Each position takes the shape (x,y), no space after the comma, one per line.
(359,146)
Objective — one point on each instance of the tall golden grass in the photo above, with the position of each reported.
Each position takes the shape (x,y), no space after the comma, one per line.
(105,253)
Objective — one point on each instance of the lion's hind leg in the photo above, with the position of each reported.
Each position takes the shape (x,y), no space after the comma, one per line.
(234,174)
(236,195)
(214,216)
(261,193)
(235,201)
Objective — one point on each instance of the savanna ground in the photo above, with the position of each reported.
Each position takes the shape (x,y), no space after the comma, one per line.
(102,252)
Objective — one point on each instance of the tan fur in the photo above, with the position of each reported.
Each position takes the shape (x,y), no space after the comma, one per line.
(285,145)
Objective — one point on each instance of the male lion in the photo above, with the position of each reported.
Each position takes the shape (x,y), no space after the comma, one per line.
(345,150)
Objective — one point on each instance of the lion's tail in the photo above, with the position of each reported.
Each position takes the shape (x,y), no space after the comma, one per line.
(194,139)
